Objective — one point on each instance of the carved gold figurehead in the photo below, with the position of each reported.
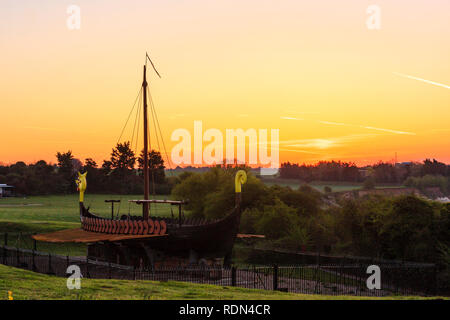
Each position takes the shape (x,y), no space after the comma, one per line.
(239,180)
(81,184)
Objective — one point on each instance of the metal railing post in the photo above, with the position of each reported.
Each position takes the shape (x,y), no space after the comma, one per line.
(5,252)
(360,277)
(275,277)
(233,276)
(33,265)
(87,267)
(435,290)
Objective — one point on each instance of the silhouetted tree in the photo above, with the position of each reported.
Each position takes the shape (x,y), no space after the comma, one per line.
(90,163)
(385,172)
(433,167)
(122,159)
(155,166)
(66,170)
(96,178)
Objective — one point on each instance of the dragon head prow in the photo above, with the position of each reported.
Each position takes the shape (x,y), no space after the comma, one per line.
(81,184)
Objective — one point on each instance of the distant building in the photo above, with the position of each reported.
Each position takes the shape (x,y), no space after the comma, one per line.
(365,172)
(5,190)
(404,164)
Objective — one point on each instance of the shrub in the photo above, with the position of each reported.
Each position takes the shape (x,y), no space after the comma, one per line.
(249,219)
(297,238)
(428,181)
(276,220)
(211,194)
(407,231)
(369,183)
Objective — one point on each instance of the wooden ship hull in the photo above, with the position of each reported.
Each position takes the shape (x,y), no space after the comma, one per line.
(189,240)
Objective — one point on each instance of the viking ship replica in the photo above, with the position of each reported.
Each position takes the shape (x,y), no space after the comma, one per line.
(141,241)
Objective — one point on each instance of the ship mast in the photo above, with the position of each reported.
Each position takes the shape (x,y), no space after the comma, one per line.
(145,207)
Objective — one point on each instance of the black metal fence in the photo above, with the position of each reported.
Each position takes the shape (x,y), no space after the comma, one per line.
(286,257)
(330,279)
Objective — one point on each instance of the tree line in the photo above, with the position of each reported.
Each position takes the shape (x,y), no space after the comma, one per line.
(381,172)
(121,173)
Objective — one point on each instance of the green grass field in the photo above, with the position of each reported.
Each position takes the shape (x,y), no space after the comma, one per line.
(26,285)
(320,185)
(42,214)
(65,207)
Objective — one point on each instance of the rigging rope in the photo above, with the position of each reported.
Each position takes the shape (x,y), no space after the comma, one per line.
(132,136)
(159,128)
(134,104)
(153,176)
(138,120)
(157,141)
(134,126)
(154,122)
(137,135)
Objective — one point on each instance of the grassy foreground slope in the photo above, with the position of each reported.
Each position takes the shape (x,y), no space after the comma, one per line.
(29,285)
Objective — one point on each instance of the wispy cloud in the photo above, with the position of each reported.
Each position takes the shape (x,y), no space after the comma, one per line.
(423,80)
(291,118)
(388,130)
(366,127)
(315,143)
(333,123)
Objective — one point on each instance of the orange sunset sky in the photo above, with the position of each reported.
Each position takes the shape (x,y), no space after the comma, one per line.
(312,69)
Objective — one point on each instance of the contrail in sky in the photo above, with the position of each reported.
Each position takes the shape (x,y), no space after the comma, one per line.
(290,118)
(423,80)
(388,130)
(354,125)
